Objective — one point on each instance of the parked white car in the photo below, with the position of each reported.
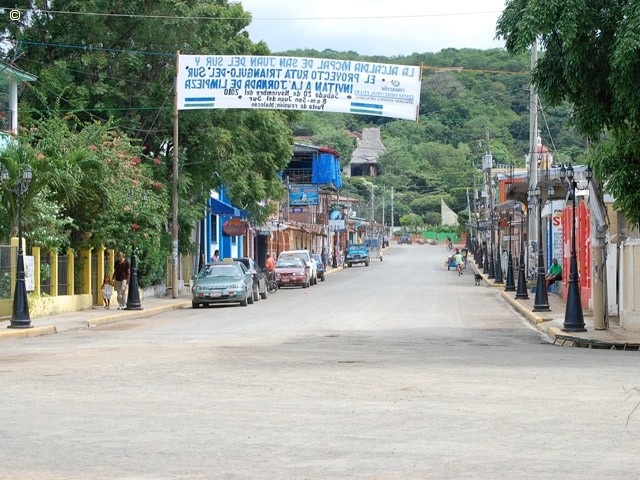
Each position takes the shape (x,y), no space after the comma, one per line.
(305,255)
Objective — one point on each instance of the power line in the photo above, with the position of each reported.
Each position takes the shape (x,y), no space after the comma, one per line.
(179,17)
(88,47)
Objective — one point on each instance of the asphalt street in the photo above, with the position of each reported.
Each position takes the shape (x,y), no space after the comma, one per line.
(399,370)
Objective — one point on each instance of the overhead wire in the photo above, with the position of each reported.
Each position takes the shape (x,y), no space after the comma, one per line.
(182,17)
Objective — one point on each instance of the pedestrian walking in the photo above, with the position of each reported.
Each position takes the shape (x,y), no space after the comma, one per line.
(121,272)
(107,291)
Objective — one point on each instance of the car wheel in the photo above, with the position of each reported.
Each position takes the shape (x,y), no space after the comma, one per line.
(250,299)
(263,295)
(256,294)
(244,302)
(322,278)
(366,264)
(195,305)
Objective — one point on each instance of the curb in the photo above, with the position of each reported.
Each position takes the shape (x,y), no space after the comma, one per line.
(138,313)
(27,332)
(50,329)
(530,315)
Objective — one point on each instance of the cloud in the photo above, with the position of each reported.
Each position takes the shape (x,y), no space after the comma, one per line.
(371,27)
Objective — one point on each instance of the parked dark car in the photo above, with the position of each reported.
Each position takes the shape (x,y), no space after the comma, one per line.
(259,277)
(405,238)
(322,268)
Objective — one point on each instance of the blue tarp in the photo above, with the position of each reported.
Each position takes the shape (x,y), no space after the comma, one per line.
(326,169)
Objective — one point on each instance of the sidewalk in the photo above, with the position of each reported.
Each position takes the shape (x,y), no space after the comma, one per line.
(94,316)
(551,323)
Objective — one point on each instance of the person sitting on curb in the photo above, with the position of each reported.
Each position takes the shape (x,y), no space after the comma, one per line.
(555,273)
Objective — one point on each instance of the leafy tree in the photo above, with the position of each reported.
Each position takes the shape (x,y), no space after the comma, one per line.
(412,221)
(87,190)
(125,69)
(592,59)
(433,219)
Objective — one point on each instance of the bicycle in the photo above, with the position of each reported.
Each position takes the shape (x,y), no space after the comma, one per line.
(272,285)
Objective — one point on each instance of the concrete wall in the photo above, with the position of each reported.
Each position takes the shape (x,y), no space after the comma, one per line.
(630,286)
(44,306)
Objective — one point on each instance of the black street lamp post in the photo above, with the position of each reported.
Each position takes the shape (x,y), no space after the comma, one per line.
(522,292)
(334,259)
(492,272)
(573,316)
(499,277)
(510,286)
(20,315)
(478,249)
(133,296)
(485,251)
(541,302)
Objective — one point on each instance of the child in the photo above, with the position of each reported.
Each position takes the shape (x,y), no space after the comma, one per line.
(107,291)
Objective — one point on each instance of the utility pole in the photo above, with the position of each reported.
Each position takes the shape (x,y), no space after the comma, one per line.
(373,196)
(174,197)
(487,164)
(384,188)
(392,217)
(533,157)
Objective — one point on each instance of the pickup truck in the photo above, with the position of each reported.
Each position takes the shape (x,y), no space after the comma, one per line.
(356,253)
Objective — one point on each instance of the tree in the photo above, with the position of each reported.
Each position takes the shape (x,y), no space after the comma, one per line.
(125,69)
(592,59)
(412,221)
(87,190)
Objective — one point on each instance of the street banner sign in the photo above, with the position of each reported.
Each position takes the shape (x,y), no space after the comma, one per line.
(295,83)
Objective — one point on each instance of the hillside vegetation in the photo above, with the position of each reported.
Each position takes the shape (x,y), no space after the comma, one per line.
(467,96)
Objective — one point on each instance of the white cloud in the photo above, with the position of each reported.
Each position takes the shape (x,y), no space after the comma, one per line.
(375,27)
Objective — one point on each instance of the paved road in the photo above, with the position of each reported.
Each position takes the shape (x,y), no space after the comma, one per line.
(399,370)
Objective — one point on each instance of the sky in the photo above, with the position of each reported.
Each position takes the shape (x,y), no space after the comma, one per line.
(375,27)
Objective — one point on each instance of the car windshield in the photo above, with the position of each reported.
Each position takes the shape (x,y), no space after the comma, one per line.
(357,248)
(290,255)
(213,271)
(290,263)
(317,258)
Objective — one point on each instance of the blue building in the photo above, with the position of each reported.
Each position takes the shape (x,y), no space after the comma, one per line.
(222,228)
(300,223)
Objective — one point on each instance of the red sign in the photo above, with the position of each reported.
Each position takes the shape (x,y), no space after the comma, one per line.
(234,226)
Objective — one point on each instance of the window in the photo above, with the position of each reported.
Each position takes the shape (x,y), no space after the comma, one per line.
(214,228)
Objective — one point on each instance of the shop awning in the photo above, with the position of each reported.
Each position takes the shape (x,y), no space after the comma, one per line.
(221,208)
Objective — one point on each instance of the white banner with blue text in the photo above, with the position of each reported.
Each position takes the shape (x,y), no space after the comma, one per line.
(302,84)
